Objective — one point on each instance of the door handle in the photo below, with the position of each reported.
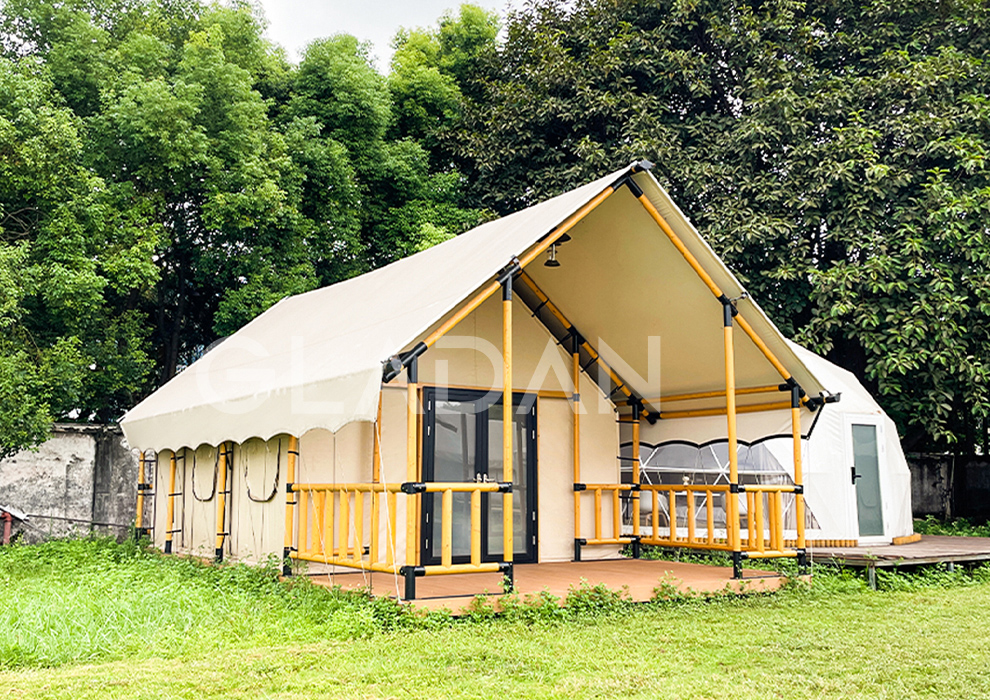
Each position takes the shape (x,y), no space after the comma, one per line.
(855,475)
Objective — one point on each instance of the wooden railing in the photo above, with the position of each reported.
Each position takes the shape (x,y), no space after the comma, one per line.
(615,493)
(714,497)
(764,518)
(331,525)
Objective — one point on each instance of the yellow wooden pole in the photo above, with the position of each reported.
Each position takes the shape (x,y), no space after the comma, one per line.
(446,528)
(303,544)
(690,515)
(616,514)
(376,462)
(750,408)
(290,478)
(221,501)
(390,504)
(710,515)
(709,282)
(760,545)
(576,406)
(732,512)
(319,506)
(476,527)
(344,533)
(170,506)
(328,524)
(507,426)
(637,415)
(655,515)
(598,514)
(412,452)
(798,471)
(358,526)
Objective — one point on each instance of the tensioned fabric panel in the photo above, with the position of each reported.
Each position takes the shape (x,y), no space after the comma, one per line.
(314,360)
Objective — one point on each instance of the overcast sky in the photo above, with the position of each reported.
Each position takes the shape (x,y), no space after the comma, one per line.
(294,23)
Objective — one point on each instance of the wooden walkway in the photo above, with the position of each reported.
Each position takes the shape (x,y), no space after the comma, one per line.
(638,577)
(930,549)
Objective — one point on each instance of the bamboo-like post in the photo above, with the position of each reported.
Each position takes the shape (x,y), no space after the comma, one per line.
(798,470)
(637,412)
(170,505)
(390,505)
(732,512)
(655,515)
(319,522)
(303,545)
(672,508)
(576,405)
(376,472)
(139,517)
(221,501)
(710,514)
(446,528)
(507,426)
(616,514)
(690,515)
(412,449)
(358,526)
(328,522)
(476,527)
(290,477)
(760,543)
(598,514)
(345,524)
(750,518)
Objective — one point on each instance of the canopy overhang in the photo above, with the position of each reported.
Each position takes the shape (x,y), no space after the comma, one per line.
(316,360)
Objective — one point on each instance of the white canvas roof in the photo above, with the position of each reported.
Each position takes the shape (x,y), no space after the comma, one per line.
(315,360)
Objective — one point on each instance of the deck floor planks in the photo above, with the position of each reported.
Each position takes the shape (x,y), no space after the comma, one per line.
(638,576)
(930,549)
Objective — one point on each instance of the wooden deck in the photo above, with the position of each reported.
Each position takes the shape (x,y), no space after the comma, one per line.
(637,576)
(930,549)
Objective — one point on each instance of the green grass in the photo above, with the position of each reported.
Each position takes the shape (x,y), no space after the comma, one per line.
(93,619)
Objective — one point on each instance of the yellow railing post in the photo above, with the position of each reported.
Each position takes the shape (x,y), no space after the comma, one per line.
(576,406)
(447,528)
(303,544)
(476,527)
(409,570)
(290,477)
(376,467)
(637,412)
(507,422)
(221,520)
(170,505)
(798,473)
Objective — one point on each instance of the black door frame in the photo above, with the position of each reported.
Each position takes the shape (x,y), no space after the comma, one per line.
(490,399)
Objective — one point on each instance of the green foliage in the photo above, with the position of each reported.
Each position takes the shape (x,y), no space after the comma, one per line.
(166,175)
(832,153)
(960,527)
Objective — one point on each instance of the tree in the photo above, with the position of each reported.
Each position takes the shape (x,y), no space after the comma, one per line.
(833,153)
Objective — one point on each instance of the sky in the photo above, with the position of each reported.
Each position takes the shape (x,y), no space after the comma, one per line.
(294,23)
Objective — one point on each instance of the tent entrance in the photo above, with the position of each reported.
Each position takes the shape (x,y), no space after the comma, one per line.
(462,443)
(866,476)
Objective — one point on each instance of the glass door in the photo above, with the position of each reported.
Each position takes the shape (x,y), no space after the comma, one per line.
(462,442)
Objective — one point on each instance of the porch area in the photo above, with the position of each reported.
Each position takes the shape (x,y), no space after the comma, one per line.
(638,578)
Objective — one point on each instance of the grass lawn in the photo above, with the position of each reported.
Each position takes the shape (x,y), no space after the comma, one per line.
(91,619)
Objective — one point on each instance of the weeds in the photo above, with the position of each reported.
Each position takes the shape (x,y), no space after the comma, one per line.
(960,527)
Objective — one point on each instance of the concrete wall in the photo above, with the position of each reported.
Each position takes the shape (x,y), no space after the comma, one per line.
(82,479)
(950,487)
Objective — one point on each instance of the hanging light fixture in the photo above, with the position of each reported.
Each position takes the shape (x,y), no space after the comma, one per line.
(552,257)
